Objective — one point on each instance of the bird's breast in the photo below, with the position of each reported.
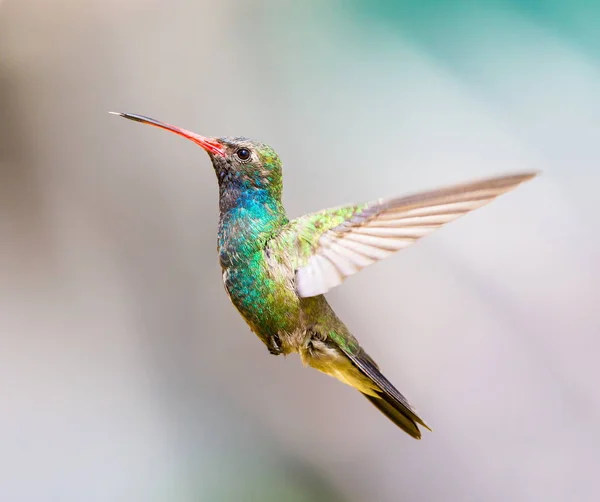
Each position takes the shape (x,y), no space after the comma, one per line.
(264,296)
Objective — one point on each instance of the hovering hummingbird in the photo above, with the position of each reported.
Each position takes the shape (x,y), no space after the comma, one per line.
(276,271)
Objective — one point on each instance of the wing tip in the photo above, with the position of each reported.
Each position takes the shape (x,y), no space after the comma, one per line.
(522,177)
(509,182)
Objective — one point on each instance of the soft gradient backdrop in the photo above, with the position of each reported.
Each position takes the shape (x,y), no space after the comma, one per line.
(126,375)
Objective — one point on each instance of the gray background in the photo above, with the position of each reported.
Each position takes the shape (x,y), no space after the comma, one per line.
(125,373)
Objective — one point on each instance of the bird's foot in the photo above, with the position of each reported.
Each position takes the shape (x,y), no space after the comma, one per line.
(274,345)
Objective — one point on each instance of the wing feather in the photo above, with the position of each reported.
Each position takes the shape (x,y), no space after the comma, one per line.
(336,243)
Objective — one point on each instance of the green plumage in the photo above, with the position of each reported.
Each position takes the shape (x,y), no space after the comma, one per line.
(275,271)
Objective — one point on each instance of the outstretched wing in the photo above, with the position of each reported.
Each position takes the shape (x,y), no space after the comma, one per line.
(331,245)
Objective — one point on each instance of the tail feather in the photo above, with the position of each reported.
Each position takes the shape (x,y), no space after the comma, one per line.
(387,398)
(396,414)
(359,370)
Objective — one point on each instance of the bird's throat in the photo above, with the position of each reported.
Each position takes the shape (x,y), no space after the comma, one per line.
(248,218)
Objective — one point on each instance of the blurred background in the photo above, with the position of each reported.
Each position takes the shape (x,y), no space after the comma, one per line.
(125,373)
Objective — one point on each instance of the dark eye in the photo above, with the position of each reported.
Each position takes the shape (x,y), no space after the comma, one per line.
(243,154)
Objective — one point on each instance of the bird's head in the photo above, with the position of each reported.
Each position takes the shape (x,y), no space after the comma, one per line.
(238,162)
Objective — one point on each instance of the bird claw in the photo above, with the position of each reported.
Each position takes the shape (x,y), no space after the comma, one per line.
(274,345)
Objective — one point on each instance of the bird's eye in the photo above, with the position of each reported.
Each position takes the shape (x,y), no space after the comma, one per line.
(243,154)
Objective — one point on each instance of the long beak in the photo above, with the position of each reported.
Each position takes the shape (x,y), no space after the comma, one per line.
(211,145)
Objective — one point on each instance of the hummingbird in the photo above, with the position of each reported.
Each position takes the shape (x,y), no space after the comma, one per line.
(276,270)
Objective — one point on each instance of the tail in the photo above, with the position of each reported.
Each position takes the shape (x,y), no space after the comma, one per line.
(342,357)
(403,417)
(386,398)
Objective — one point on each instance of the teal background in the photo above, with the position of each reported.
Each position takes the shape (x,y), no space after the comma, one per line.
(125,373)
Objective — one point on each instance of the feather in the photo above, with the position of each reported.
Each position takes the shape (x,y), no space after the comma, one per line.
(388,399)
(344,240)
